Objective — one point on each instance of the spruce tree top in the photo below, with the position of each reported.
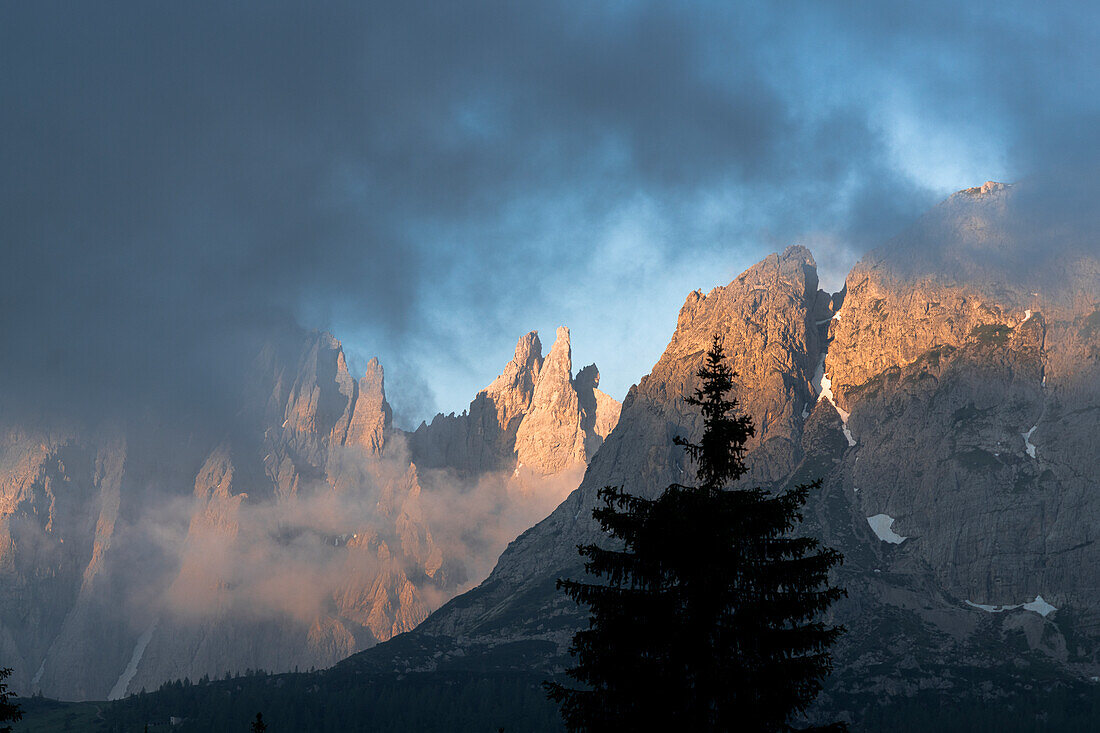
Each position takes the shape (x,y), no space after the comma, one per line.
(706,616)
(720,453)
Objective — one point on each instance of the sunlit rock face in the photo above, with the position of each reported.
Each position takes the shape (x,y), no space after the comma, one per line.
(483,438)
(304,533)
(767,319)
(59,503)
(372,417)
(948,398)
(991,375)
(567,420)
(533,418)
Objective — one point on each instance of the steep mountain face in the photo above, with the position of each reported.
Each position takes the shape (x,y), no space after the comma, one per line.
(372,418)
(55,488)
(534,412)
(947,398)
(312,532)
(994,386)
(768,317)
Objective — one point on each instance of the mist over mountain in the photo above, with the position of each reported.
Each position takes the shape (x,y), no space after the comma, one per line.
(950,410)
(1039,233)
(218,221)
(946,395)
(311,530)
(183,185)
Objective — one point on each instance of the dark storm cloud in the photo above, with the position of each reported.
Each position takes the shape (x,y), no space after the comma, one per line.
(169,194)
(1024,77)
(182,180)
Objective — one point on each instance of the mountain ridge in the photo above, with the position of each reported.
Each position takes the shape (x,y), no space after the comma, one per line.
(308,534)
(974,384)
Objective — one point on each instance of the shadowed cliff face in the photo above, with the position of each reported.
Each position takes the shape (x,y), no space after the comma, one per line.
(132,554)
(952,415)
(992,381)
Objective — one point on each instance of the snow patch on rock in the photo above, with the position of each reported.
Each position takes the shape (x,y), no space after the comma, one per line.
(824,388)
(1038,606)
(119,690)
(881,525)
(991,609)
(1027,441)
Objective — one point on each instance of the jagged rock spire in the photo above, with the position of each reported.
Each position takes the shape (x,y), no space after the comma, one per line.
(372,417)
(533,415)
(512,391)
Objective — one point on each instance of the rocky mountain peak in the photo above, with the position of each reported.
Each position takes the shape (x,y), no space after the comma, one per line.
(372,417)
(600,410)
(795,265)
(982,262)
(512,391)
(532,416)
(986,188)
(551,438)
(528,355)
(792,271)
(587,378)
(561,346)
(557,369)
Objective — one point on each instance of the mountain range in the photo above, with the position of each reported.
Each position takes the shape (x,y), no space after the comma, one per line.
(947,396)
(313,530)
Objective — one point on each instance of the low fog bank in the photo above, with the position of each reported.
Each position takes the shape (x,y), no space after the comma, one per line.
(253,553)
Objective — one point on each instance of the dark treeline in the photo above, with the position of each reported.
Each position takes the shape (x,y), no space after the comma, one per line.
(9,709)
(327,702)
(340,701)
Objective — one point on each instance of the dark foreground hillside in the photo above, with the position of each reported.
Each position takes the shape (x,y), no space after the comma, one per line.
(339,702)
(343,701)
(315,702)
(950,409)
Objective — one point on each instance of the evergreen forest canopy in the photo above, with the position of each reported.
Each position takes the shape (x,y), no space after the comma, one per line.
(9,710)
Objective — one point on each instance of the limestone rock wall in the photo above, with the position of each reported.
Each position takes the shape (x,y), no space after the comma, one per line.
(534,417)
(948,400)
(131,555)
(767,319)
(972,401)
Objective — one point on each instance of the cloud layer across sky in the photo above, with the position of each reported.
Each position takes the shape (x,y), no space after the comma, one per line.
(179,181)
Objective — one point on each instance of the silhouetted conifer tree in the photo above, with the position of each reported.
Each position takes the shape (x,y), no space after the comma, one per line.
(9,711)
(258,725)
(707,616)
